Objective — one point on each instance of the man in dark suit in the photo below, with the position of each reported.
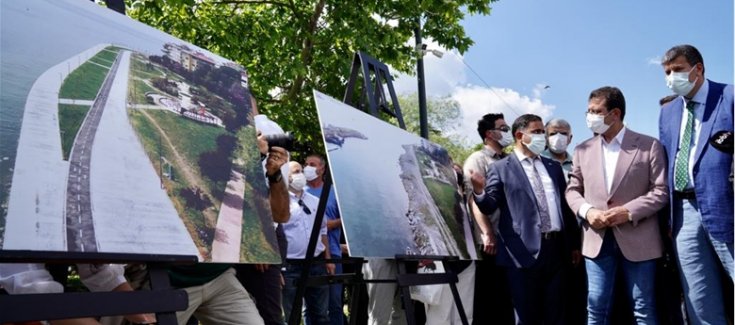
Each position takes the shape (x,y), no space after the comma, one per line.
(700,187)
(536,227)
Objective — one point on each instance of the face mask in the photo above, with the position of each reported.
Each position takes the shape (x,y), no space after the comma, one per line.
(298,181)
(596,123)
(538,143)
(558,143)
(310,173)
(679,82)
(506,139)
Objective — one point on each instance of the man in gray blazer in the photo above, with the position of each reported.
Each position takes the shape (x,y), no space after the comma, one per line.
(616,187)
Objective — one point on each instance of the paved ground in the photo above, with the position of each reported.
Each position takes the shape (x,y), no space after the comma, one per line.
(228,234)
(80,236)
(132,213)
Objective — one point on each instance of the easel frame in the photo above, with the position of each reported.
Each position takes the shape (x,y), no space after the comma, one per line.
(373,101)
(161,299)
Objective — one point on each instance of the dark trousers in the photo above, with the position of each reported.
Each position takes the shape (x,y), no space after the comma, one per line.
(265,288)
(492,295)
(537,290)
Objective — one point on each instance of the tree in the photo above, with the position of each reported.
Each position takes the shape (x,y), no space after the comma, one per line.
(291,47)
(444,116)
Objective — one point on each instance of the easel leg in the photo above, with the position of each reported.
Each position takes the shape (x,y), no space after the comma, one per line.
(458,303)
(406,296)
(160,281)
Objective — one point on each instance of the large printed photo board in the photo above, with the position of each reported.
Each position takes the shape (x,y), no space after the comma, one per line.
(396,191)
(118,138)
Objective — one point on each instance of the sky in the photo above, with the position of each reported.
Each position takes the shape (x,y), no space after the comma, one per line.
(574,47)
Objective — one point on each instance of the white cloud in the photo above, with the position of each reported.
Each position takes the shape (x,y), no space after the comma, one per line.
(447,76)
(656,60)
(477,101)
(442,75)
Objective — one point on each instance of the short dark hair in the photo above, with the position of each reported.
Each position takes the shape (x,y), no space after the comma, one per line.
(665,100)
(486,123)
(613,99)
(690,53)
(522,122)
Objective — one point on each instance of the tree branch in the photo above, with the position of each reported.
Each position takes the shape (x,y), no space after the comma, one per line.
(306,51)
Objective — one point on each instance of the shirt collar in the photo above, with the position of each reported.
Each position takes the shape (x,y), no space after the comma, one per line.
(701,95)
(521,156)
(548,154)
(489,151)
(618,138)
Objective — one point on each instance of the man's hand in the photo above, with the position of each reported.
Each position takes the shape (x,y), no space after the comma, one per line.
(331,268)
(276,158)
(478,181)
(261,267)
(616,216)
(596,219)
(262,144)
(488,243)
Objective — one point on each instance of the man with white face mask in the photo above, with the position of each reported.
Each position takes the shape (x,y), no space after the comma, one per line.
(537,238)
(495,135)
(616,188)
(558,138)
(302,206)
(701,192)
(314,172)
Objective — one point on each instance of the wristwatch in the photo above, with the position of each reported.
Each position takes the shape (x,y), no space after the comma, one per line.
(275,178)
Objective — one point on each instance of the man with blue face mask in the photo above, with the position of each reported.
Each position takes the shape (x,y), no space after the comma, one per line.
(616,187)
(537,238)
(701,192)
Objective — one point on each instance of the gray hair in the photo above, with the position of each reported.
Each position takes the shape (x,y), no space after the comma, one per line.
(558,122)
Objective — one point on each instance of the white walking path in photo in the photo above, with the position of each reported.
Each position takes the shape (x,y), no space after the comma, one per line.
(132,213)
(228,234)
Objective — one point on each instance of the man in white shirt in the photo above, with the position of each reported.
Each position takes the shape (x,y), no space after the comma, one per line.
(302,206)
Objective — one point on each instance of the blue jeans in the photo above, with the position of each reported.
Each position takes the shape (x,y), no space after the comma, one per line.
(336,313)
(316,298)
(701,260)
(639,280)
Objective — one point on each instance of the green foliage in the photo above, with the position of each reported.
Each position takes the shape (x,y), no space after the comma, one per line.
(291,47)
(85,81)
(70,120)
(443,115)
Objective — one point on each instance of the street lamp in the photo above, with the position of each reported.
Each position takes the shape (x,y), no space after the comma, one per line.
(423,119)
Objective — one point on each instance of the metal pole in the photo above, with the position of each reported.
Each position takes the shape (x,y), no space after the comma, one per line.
(423,119)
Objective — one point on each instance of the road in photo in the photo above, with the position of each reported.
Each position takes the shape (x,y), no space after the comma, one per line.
(79,228)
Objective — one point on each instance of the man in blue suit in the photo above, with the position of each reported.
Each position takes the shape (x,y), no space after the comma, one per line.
(537,230)
(701,191)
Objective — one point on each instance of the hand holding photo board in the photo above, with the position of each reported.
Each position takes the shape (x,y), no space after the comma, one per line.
(119,138)
(397,192)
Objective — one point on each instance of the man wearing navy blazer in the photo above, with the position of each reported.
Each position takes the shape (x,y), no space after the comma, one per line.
(537,230)
(700,187)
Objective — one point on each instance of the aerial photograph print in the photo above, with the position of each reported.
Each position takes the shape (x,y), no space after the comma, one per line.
(119,138)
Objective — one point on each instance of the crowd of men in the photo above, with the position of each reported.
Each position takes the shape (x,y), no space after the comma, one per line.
(626,228)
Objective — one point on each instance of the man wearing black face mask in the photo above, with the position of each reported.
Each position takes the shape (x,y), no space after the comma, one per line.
(701,194)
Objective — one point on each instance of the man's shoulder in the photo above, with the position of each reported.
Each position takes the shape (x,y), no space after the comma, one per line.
(309,198)
(642,139)
(586,144)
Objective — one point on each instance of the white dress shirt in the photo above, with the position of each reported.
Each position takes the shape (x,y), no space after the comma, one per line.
(700,100)
(610,153)
(298,227)
(552,201)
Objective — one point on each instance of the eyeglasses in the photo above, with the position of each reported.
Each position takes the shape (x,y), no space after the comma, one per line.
(503,128)
(304,207)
